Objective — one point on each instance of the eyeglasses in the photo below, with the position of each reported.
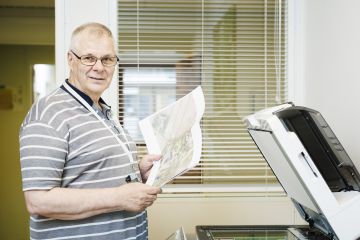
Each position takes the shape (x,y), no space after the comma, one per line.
(90,60)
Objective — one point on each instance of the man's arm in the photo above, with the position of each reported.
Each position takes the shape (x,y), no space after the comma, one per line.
(72,204)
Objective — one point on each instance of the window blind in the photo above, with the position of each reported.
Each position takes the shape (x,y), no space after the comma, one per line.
(235,49)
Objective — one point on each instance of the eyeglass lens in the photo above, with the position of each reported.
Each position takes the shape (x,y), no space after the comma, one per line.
(91,60)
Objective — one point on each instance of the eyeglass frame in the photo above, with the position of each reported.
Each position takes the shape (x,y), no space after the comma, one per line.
(101,59)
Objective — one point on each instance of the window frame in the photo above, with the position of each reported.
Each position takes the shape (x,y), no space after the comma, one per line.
(256,188)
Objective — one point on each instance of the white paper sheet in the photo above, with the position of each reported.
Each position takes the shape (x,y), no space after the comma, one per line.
(175,133)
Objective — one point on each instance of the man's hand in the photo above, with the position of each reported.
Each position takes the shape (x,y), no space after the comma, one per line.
(137,196)
(146,164)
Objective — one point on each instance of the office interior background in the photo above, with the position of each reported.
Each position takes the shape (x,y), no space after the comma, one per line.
(247,55)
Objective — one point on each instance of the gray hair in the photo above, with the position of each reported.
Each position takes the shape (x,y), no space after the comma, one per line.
(92,28)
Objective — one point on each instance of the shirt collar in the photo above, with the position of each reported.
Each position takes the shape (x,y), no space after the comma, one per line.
(83,95)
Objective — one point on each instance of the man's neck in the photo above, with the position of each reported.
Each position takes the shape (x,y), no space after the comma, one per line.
(94,97)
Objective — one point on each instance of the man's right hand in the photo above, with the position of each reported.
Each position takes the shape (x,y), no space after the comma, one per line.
(137,196)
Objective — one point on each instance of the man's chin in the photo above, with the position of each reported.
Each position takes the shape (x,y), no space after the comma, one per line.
(98,88)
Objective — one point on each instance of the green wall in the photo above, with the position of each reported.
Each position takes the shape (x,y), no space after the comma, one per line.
(16,73)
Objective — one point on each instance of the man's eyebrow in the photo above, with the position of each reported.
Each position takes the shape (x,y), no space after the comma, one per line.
(106,55)
(109,55)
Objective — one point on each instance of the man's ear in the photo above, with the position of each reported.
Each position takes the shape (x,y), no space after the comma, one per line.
(70,58)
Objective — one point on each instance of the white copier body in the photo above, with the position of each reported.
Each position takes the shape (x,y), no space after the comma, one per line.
(315,193)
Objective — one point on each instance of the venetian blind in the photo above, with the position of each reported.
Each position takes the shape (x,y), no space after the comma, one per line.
(235,49)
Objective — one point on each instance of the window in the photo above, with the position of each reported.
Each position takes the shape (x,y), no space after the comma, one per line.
(146,90)
(235,49)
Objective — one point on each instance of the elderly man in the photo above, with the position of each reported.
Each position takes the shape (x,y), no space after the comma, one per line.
(80,175)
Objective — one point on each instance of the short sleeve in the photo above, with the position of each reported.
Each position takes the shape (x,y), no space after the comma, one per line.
(42,156)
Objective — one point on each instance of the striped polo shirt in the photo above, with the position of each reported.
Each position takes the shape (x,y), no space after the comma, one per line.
(63,144)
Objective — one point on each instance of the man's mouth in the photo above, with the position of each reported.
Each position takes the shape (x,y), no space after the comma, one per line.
(96,78)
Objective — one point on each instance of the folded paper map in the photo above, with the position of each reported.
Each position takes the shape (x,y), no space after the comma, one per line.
(175,133)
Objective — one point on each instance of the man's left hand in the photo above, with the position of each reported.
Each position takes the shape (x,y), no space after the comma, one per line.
(146,164)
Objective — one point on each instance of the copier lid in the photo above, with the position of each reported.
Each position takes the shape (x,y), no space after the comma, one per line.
(323,146)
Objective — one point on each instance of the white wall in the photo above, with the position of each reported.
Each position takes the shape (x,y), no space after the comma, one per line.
(331,66)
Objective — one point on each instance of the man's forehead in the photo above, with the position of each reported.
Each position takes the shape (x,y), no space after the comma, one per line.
(91,43)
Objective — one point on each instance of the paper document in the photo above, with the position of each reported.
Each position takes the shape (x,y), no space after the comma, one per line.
(175,133)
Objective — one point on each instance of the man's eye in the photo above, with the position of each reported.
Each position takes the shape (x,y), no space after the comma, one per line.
(89,58)
(109,59)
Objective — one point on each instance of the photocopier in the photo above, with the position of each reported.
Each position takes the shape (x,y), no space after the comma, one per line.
(314,170)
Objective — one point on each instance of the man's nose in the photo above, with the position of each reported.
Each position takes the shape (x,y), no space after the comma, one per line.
(98,65)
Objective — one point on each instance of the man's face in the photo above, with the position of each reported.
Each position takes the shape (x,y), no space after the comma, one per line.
(92,80)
